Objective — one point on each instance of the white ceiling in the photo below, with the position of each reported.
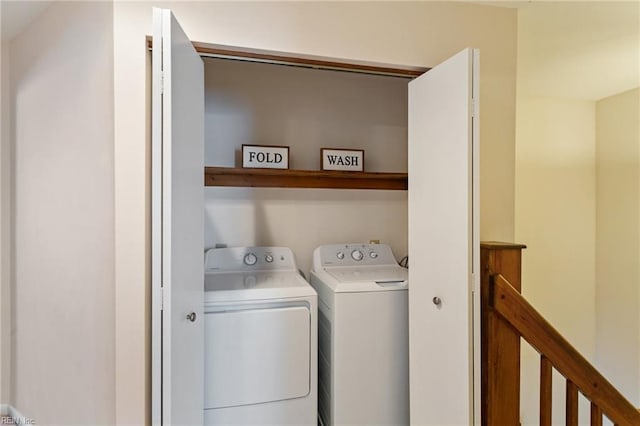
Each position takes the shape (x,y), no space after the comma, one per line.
(578,50)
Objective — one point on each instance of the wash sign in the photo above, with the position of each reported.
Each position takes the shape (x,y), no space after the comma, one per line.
(265,157)
(351,160)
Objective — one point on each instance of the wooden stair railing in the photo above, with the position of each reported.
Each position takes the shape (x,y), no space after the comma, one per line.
(558,353)
(507,316)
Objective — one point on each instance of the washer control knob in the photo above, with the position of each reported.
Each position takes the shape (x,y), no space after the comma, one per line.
(250,259)
(340,255)
(373,255)
(268,258)
(357,255)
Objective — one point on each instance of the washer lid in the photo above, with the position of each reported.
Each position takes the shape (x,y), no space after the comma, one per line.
(368,278)
(242,286)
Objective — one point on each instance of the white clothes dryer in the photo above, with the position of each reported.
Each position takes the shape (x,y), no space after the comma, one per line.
(260,339)
(363,333)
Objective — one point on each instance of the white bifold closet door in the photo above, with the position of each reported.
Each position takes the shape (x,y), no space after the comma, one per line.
(443,243)
(177,225)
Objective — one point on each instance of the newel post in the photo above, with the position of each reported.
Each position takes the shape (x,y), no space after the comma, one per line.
(500,344)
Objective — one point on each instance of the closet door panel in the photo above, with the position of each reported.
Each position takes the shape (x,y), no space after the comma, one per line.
(177,225)
(443,241)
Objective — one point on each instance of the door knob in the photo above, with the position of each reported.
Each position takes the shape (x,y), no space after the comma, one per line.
(437,301)
(191,317)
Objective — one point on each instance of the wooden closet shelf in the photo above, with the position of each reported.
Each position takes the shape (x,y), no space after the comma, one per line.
(273,178)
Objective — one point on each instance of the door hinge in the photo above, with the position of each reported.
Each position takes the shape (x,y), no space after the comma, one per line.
(162,82)
(162,298)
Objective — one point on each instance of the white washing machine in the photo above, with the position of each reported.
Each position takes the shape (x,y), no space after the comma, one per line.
(260,339)
(363,334)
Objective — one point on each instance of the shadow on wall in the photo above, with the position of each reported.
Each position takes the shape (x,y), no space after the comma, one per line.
(303,219)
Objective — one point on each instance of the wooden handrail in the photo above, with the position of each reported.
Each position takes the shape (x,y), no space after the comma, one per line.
(555,349)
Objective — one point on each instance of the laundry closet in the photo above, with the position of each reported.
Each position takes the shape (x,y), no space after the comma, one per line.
(305,109)
(418,193)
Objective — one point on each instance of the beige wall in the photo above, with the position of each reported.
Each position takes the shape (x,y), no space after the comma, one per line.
(567,192)
(421,34)
(413,33)
(5,226)
(555,217)
(63,294)
(618,241)
(555,207)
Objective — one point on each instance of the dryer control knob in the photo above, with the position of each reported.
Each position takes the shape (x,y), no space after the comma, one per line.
(268,258)
(373,255)
(357,255)
(340,255)
(250,259)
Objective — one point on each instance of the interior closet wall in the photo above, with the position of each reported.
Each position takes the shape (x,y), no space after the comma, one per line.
(63,294)
(305,109)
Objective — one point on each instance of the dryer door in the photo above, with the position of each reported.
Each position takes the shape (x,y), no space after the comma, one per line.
(254,356)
